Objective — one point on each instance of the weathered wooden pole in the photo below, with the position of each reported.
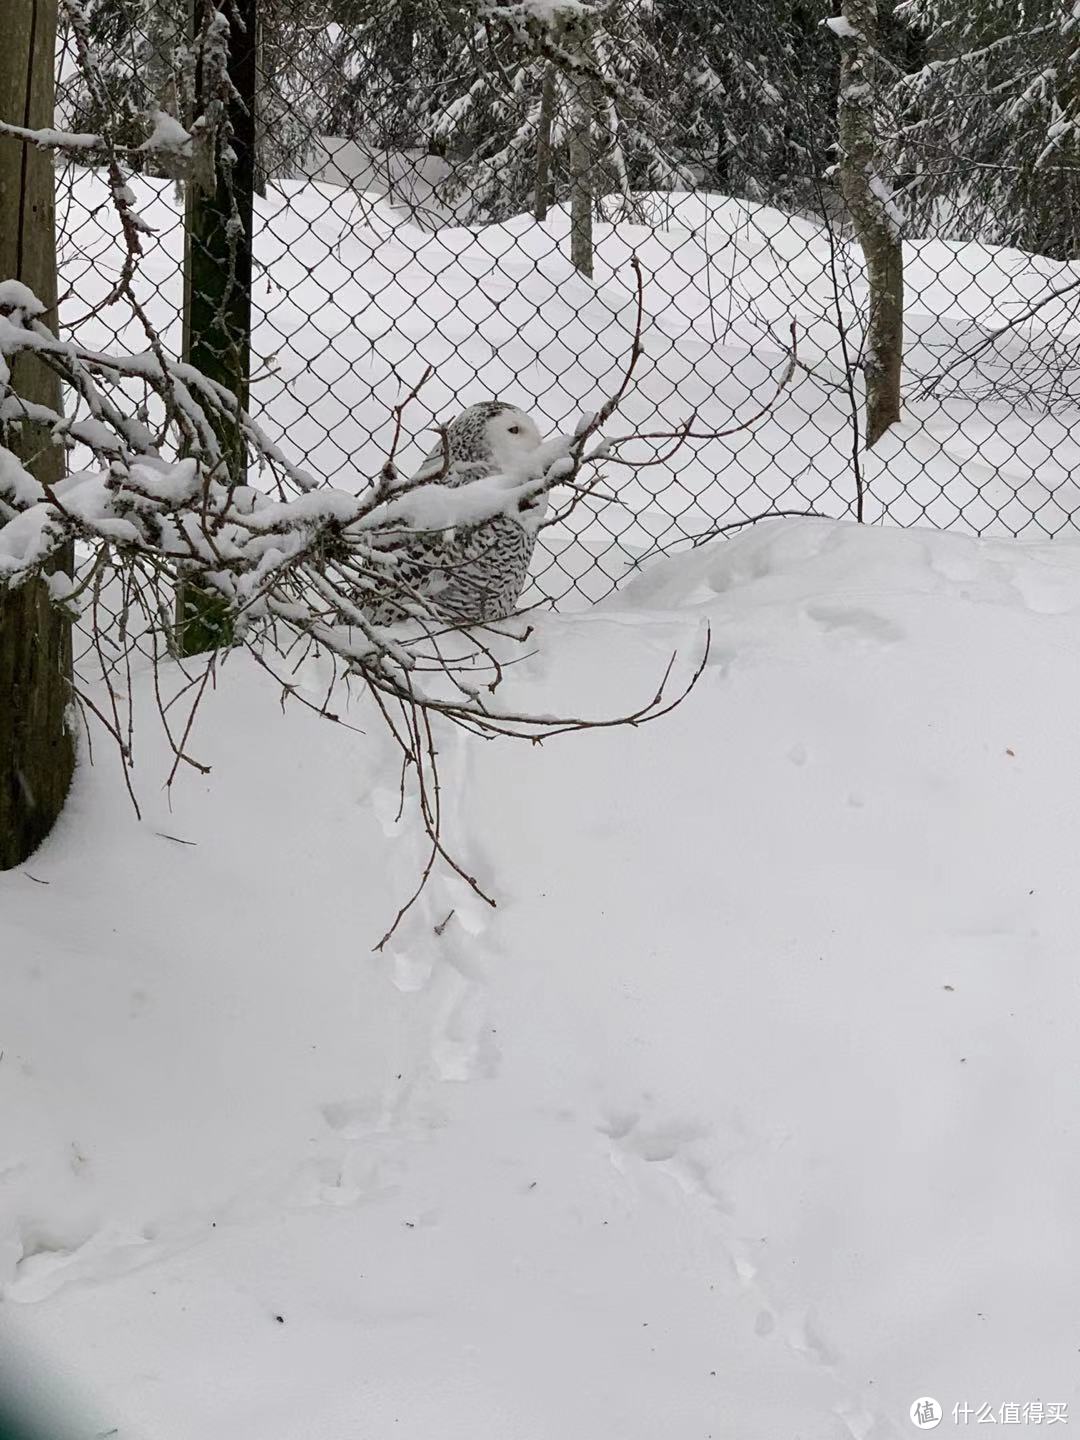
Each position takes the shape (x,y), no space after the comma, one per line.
(217,275)
(37,741)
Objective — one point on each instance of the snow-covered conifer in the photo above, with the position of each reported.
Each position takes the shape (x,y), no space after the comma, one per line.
(990,123)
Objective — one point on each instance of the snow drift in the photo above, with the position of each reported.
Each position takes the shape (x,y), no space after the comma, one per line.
(749,1112)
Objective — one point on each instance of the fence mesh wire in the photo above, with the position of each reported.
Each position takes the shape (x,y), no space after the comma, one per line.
(387,241)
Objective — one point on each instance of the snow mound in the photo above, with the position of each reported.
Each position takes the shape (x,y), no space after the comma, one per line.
(749,1112)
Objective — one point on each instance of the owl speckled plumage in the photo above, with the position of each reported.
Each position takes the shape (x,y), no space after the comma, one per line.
(476,572)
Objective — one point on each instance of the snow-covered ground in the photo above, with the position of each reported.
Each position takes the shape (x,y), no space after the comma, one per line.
(750,1113)
(355,296)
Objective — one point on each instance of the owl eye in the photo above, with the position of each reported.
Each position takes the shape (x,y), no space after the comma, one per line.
(515,429)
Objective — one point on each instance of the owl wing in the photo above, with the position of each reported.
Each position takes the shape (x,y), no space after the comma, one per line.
(432,464)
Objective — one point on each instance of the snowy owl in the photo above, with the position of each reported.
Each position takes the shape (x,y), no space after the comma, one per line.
(476,572)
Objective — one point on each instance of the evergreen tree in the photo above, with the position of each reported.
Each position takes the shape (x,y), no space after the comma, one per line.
(990,129)
(469,84)
(143,55)
(608,80)
(135,44)
(753,93)
(394,66)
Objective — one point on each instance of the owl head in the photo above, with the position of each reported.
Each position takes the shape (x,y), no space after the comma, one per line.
(508,433)
(491,436)
(491,432)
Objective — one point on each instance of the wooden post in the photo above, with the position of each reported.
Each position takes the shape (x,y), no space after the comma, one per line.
(217,282)
(37,741)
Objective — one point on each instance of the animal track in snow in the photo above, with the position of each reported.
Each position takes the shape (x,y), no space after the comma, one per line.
(354,1119)
(679,1149)
(801,1333)
(855,620)
(442,946)
(411,972)
(722,658)
(464,1045)
(49,1261)
(674,1148)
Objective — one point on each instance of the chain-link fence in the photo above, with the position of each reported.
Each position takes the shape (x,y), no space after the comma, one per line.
(438,187)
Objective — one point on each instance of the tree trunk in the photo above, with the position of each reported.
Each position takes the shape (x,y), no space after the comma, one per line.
(874,215)
(400,132)
(576,36)
(542,199)
(217,286)
(37,742)
(261,102)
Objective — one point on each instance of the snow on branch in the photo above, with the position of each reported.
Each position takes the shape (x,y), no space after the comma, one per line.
(167,137)
(292,566)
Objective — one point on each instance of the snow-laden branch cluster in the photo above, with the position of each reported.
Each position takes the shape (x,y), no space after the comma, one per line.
(288,566)
(292,567)
(287,553)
